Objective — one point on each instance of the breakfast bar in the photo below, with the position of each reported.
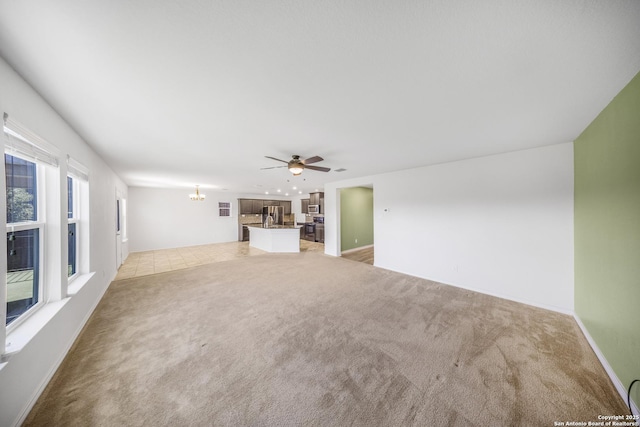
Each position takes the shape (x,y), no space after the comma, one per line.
(280,238)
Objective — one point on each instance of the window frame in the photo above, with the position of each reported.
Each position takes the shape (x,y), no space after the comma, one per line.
(39,224)
(75,219)
(20,142)
(224,209)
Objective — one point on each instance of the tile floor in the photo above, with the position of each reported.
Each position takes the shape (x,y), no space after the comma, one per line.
(151,262)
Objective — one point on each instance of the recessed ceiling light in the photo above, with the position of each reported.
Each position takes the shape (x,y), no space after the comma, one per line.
(286,194)
(278,190)
(295,188)
(266,192)
(299,192)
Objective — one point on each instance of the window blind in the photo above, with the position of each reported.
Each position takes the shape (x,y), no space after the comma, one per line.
(20,141)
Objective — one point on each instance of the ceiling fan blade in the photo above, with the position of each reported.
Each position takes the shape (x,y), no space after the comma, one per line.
(273,158)
(313,159)
(317,168)
(273,167)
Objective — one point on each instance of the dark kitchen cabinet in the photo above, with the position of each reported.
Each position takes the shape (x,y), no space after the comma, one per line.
(254,206)
(305,206)
(246,206)
(250,206)
(314,198)
(257,206)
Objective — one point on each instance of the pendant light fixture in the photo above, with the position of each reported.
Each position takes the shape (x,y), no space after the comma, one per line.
(197,196)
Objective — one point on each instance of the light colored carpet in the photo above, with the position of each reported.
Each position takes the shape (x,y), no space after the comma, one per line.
(308,339)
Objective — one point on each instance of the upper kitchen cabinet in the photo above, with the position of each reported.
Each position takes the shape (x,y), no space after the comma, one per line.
(246,206)
(314,198)
(304,206)
(254,206)
(250,206)
(257,206)
(317,199)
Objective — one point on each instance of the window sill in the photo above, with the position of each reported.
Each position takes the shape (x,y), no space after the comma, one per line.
(23,333)
(78,283)
(18,338)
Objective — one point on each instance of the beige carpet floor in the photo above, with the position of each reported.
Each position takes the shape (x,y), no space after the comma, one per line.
(311,340)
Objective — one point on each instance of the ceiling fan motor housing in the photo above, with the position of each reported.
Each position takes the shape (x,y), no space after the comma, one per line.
(296,162)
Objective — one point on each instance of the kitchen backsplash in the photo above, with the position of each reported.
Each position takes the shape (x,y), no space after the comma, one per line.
(255,218)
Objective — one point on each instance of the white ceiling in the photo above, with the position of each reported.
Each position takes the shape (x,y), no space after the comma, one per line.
(173,94)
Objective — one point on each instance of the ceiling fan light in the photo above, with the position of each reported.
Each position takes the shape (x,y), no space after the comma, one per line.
(296,169)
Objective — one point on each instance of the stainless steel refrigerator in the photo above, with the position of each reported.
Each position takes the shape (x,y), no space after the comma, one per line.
(272,215)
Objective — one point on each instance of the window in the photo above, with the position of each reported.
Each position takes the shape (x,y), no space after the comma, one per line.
(77,220)
(224,208)
(72,218)
(24,234)
(31,172)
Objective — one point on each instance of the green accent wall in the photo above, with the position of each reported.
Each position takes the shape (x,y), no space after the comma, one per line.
(607,232)
(356,217)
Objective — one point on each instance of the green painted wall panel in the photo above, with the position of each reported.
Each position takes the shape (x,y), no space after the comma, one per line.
(356,217)
(607,232)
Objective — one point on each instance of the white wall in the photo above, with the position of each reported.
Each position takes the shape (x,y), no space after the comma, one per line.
(501,225)
(167,218)
(296,206)
(25,373)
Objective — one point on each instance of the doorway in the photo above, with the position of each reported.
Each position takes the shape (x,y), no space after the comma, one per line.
(118,230)
(356,224)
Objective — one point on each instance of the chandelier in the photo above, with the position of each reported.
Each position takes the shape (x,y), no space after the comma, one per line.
(197,196)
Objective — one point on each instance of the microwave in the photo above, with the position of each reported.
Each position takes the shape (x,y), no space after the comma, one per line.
(314,209)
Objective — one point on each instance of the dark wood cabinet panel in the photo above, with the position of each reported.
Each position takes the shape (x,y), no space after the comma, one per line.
(246,206)
(257,206)
(254,206)
(304,206)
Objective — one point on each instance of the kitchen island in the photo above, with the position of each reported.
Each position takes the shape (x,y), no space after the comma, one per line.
(277,238)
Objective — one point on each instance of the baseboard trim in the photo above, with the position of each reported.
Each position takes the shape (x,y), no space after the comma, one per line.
(554,308)
(622,390)
(356,249)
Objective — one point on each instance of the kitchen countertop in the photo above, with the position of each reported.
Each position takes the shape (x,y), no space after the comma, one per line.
(273,227)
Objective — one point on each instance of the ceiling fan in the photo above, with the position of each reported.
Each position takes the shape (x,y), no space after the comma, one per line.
(296,165)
